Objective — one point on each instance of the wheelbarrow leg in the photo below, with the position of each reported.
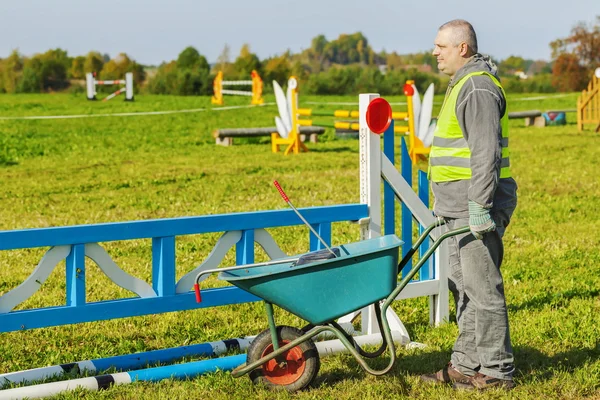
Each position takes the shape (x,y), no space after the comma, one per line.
(362,352)
(272,326)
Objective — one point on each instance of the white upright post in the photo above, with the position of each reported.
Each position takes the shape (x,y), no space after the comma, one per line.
(129,86)
(370,191)
(91,86)
(370,170)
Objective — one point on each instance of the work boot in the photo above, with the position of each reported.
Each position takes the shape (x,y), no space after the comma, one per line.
(447,375)
(484,382)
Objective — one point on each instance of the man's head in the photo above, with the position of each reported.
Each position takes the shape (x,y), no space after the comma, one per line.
(454,44)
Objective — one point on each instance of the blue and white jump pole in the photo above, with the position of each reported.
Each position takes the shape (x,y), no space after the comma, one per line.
(176,371)
(128,361)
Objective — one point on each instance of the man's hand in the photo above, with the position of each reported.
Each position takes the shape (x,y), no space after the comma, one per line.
(480,220)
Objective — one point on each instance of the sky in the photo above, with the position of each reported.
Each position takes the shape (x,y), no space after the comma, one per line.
(153,31)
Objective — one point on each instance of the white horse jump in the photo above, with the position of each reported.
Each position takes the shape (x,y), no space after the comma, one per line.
(91,83)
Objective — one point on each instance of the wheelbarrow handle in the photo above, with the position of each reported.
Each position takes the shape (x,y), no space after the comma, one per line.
(439,222)
(408,256)
(424,258)
(235,268)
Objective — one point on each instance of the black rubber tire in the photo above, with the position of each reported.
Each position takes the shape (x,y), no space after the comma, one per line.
(286,334)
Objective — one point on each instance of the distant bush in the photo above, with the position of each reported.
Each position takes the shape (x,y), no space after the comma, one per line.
(183,82)
(188,76)
(541,83)
(31,81)
(358,78)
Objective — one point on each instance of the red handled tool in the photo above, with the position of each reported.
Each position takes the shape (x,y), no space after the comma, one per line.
(287,200)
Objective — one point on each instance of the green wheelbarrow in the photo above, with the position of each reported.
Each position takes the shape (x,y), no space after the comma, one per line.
(319,288)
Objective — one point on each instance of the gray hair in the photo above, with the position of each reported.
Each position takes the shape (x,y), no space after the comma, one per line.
(462,32)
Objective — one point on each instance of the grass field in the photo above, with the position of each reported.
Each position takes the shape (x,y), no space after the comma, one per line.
(90,170)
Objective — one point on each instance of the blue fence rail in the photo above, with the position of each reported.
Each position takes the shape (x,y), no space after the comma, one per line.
(163,233)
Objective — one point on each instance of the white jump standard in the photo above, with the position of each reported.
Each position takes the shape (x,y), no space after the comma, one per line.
(91,83)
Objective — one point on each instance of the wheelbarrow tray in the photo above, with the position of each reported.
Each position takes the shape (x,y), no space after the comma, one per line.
(322,291)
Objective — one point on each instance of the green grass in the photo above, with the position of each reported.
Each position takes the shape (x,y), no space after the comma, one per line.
(92,170)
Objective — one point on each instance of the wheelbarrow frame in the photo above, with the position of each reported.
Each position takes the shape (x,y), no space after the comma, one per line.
(332,326)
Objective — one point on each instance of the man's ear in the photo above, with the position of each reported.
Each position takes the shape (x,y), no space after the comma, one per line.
(464,49)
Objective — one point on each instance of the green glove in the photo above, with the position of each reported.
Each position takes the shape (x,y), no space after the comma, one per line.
(480,220)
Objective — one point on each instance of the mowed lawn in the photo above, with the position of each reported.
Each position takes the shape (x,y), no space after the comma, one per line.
(59,172)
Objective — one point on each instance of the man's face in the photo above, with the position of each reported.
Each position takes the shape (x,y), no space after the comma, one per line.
(449,56)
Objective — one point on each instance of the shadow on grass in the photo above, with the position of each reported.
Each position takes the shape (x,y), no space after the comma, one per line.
(531,364)
(352,371)
(579,135)
(343,149)
(554,299)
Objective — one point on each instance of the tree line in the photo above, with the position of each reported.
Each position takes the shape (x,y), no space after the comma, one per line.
(346,65)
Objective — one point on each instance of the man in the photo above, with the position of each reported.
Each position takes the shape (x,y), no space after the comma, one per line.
(472,185)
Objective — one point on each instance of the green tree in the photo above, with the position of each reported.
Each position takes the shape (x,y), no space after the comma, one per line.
(31,81)
(11,70)
(299,71)
(139,74)
(116,67)
(511,64)
(318,45)
(314,57)
(394,61)
(192,59)
(277,69)
(55,65)
(348,49)
(77,70)
(246,62)
(165,80)
(189,75)
(93,62)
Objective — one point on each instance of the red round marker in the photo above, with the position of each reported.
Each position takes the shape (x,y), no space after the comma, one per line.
(379,115)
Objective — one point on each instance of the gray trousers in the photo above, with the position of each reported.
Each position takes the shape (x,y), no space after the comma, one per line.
(483,344)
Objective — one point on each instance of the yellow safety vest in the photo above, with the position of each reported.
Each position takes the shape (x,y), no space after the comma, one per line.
(450,157)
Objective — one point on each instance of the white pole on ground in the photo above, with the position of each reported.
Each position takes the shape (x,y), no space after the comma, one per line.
(330,347)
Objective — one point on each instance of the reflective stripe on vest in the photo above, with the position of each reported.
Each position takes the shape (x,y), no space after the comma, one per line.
(450,157)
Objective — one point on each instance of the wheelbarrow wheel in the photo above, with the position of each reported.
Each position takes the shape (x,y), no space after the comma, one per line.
(294,370)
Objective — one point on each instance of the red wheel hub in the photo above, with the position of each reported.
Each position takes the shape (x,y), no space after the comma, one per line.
(285,369)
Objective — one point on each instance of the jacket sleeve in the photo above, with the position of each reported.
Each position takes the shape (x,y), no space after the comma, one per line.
(479,108)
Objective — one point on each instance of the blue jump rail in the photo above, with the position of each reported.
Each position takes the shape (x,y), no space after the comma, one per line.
(163,233)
